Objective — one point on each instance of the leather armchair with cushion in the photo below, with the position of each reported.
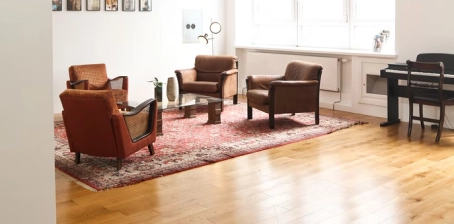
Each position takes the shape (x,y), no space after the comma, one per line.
(212,75)
(297,91)
(94,77)
(95,126)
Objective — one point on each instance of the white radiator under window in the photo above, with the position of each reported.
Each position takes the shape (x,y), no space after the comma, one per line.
(275,64)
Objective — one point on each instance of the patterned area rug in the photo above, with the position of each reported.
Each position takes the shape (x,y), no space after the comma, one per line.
(191,142)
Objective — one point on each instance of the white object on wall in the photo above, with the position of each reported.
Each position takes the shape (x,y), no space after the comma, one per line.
(192,25)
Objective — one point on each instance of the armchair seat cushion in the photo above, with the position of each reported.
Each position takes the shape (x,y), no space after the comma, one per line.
(120,95)
(201,86)
(258,96)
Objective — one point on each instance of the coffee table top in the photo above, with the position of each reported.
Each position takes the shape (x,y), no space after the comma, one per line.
(182,100)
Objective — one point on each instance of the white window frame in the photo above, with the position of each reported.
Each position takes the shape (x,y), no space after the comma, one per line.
(349,20)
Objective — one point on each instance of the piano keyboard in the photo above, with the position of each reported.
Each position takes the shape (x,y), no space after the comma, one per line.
(419,73)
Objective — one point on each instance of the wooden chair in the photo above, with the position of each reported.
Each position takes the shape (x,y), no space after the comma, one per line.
(427,93)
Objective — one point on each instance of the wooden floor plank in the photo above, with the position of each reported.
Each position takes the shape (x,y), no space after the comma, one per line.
(363,174)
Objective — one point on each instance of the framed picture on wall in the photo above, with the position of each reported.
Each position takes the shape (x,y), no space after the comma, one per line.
(129,5)
(74,5)
(192,25)
(93,5)
(111,5)
(56,5)
(145,5)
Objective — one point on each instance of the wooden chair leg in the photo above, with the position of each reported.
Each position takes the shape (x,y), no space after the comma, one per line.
(151,149)
(77,159)
(119,163)
(235,99)
(441,123)
(317,117)
(421,114)
(180,99)
(249,112)
(410,119)
(271,120)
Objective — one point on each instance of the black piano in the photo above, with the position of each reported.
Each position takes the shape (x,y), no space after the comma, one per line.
(395,72)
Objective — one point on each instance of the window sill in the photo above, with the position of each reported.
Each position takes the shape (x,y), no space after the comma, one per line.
(330,51)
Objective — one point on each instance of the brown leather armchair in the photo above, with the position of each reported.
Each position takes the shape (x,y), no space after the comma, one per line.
(298,90)
(212,75)
(95,126)
(94,77)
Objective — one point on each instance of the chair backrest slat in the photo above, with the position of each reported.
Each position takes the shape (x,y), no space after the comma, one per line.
(434,68)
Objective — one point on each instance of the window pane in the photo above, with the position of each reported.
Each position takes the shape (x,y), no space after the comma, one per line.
(272,11)
(276,34)
(332,36)
(322,23)
(367,9)
(323,9)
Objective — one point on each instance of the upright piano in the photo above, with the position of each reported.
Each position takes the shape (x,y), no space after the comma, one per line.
(395,72)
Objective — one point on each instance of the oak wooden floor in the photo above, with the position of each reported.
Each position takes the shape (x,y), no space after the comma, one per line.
(363,174)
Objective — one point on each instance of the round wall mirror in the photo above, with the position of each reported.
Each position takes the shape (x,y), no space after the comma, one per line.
(215,27)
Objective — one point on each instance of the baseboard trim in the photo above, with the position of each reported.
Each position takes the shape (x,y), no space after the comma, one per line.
(58,117)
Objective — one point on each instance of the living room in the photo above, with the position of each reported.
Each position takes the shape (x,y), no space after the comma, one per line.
(39,45)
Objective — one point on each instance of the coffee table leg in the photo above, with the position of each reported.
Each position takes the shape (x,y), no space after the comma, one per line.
(159,122)
(214,112)
(189,111)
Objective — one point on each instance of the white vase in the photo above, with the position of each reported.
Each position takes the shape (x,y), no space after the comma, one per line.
(171,89)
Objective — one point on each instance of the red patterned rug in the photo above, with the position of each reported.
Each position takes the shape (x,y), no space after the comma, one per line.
(191,142)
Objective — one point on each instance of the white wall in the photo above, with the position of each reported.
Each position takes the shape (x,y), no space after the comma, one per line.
(141,45)
(230,21)
(27,176)
(424,26)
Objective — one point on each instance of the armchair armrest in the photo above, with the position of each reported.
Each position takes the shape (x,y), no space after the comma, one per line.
(228,83)
(262,81)
(185,75)
(119,82)
(139,121)
(80,84)
(139,108)
(230,72)
(119,77)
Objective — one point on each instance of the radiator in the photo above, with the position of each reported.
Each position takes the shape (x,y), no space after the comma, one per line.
(275,64)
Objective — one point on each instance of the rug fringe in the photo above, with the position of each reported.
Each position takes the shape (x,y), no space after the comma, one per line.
(75,180)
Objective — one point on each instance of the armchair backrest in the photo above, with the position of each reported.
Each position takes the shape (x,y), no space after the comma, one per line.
(96,74)
(87,115)
(301,70)
(210,67)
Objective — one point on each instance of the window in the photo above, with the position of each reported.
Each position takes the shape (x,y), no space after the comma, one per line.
(345,24)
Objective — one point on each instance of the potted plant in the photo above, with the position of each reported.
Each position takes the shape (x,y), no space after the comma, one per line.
(157,89)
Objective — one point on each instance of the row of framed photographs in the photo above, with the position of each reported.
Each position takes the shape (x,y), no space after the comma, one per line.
(95,5)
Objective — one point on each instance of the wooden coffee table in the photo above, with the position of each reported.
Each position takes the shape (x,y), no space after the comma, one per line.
(189,103)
